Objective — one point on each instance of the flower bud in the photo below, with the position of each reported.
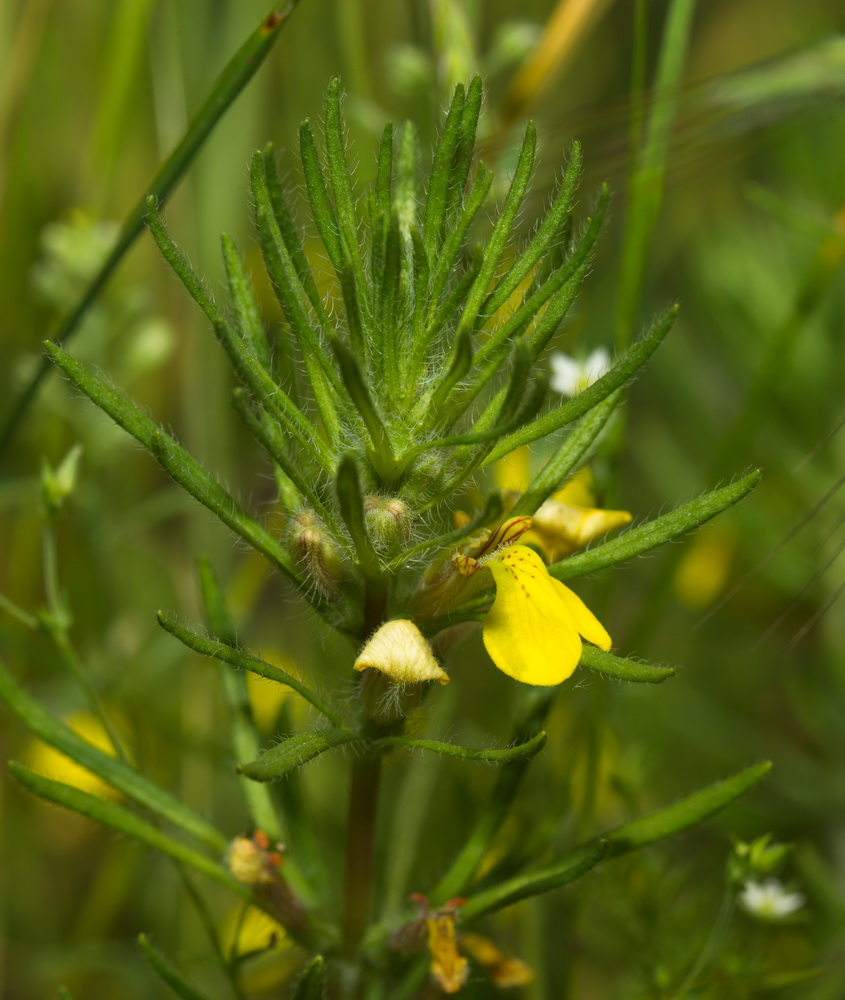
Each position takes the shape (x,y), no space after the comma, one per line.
(252,862)
(57,484)
(388,521)
(316,553)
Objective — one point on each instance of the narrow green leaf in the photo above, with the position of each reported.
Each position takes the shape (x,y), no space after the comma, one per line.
(522,751)
(384,172)
(393,333)
(634,358)
(270,436)
(462,159)
(576,864)
(247,313)
(653,533)
(350,498)
(560,465)
(621,668)
(247,367)
(294,752)
(114,772)
(168,972)
(447,259)
(539,244)
(405,181)
(356,386)
(501,230)
(438,181)
(293,300)
(290,235)
(310,985)
(118,818)
(243,661)
(460,364)
(245,744)
(453,300)
(321,206)
(684,814)
(341,181)
(175,460)
(561,286)
(235,75)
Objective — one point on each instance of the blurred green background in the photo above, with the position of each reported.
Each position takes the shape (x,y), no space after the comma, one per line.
(749,239)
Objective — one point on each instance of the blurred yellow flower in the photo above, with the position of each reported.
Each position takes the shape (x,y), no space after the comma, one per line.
(704,568)
(567,521)
(53,764)
(561,528)
(448,967)
(505,971)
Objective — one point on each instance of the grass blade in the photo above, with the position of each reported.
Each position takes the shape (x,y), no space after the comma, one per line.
(114,772)
(168,972)
(175,460)
(576,864)
(118,818)
(235,76)
(243,661)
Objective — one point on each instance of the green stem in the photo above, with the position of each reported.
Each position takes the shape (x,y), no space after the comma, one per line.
(360,845)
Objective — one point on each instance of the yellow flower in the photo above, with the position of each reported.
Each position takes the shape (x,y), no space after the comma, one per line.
(448,967)
(567,521)
(54,764)
(533,631)
(399,651)
(504,970)
(561,528)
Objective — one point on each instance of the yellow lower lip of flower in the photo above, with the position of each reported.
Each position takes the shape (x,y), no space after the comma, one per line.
(533,631)
(448,967)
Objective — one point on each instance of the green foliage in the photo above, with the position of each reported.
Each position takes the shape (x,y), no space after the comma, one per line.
(389,372)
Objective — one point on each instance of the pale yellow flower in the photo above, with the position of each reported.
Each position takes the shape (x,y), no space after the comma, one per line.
(400,652)
(448,967)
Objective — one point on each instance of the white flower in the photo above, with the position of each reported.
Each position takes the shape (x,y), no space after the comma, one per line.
(569,377)
(770,900)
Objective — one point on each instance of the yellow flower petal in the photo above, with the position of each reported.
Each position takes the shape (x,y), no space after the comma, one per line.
(504,970)
(448,967)
(533,631)
(561,528)
(399,650)
(585,621)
